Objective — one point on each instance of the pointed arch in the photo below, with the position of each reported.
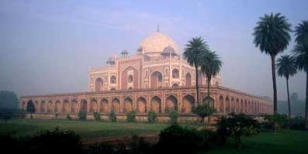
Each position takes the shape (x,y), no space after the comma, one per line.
(93,105)
(50,107)
(141,105)
(188,80)
(171,104)
(99,84)
(175,73)
(74,106)
(156,104)
(128,104)
(116,105)
(104,107)
(188,104)
(221,104)
(156,79)
(83,105)
(66,106)
(43,107)
(58,108)
(228,106)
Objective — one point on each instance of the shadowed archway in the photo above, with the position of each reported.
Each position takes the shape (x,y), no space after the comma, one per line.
(128,104)
(141,105)
(116,105)
(188,103)
(156,104)
(171,104)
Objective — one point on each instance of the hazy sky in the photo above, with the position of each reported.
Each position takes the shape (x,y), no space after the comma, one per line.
(49,46)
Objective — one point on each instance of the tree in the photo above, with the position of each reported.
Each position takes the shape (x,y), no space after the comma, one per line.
(286,66)
(210,66)
(173,115)
(272,36)
(30,108)
(203,110)
(193,54)
(301,55)
(8,100)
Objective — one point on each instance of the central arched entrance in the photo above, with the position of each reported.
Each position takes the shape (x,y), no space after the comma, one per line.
(84,106)
(30,107)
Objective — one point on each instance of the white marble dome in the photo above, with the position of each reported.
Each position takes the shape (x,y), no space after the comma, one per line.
(157,42)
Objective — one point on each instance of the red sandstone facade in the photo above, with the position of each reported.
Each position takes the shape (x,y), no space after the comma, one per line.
(156,79)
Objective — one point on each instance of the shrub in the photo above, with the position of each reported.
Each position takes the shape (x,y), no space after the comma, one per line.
(237,126)
(131,116)
(97,116)
(176,139)
(173,115)
(152,116)
(139,146)
(100,148)
(55,141)
(112,116)
(82,115)
(68,117)
(203,110)
(297,123)
(7,114)
(208,137)
(276,121)
(8,143)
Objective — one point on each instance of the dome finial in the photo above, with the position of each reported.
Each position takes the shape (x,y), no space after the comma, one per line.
(157,28)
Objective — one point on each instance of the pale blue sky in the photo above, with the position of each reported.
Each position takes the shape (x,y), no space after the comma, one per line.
(49,46)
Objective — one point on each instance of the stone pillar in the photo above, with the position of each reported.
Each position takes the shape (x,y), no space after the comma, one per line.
(148,103)
(122,104)
(98,104)
(109,99)
(180,102)
(134,102)
(163,103)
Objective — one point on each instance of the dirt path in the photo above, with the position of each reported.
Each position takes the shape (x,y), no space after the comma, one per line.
(115,140)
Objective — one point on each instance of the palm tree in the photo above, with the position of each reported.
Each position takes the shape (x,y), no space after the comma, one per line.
(210,66)
(301,54)
(272,36)
(287,68)
(193,53)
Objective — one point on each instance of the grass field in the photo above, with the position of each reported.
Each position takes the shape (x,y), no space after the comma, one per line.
(86,129)
(286,141)
(283,142)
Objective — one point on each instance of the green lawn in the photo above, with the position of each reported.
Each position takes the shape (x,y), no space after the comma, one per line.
(86,129)
(284,142)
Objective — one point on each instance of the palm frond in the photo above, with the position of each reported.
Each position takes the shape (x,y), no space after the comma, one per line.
(271,34)
(286,66)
